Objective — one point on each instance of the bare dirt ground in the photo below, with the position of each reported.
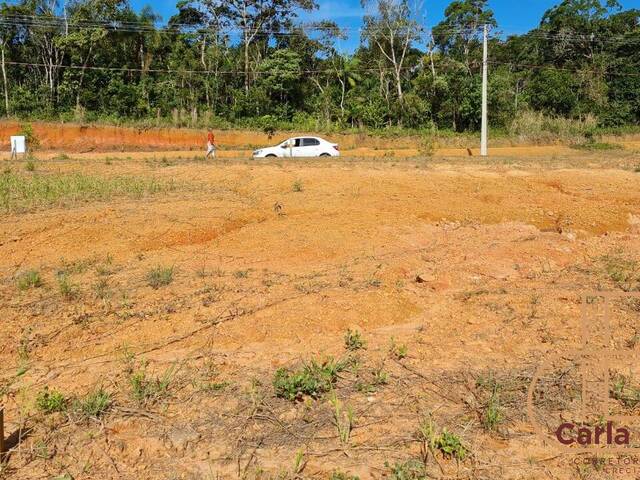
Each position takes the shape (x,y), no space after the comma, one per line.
(460,275)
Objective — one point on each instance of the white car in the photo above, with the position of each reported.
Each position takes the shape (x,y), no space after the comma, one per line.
(300,147)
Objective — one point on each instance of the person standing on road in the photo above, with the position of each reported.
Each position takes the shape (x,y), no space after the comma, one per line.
(211,145)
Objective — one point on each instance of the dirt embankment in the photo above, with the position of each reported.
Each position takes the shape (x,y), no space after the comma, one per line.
(89,138)
(77,138)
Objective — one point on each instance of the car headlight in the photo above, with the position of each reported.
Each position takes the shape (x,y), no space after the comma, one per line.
(257,152)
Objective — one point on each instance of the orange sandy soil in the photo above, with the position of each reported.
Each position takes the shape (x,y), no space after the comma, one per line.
(273,262)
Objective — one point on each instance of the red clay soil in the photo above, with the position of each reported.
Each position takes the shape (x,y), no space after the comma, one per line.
(78,138)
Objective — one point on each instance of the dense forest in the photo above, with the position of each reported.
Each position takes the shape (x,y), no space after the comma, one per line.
(254,63)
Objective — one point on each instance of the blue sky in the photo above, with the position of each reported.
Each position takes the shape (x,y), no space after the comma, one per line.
(514,16)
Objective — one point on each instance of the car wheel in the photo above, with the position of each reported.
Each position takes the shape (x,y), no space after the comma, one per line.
(325,155)
(270,155)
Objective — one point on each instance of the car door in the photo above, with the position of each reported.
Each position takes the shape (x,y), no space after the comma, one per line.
(289,147)
(310,147)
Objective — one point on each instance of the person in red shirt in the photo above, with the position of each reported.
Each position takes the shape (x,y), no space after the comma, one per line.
(211,145)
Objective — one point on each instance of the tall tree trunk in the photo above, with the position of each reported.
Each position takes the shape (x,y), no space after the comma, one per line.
(6,84)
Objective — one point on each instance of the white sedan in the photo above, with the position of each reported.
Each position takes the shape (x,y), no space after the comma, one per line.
(300,147)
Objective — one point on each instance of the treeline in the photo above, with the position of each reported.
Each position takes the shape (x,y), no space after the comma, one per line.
(252,63)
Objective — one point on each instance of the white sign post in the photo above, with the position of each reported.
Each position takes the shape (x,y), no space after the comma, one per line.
(18,146)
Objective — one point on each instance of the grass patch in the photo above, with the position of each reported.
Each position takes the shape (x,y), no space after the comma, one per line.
(95,404)
(51,401)
(313,379)
(27,192)
(29,279)
(147,390)
(624,272)
(597,146)
(159,277)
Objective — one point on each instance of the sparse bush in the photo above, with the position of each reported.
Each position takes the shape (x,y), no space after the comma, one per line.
(51,401)
(353,340)
(313,379)
(30,166)
(29,279)
(159,277)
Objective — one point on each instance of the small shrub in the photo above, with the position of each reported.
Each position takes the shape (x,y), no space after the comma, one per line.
(159,277)
(353,340)
(29,279)
(95,404)
(312,379)
(30,166)
(51,401)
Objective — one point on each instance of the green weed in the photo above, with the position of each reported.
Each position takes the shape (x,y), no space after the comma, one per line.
(51,401)
(313,379)
(353,340)
(29,279)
